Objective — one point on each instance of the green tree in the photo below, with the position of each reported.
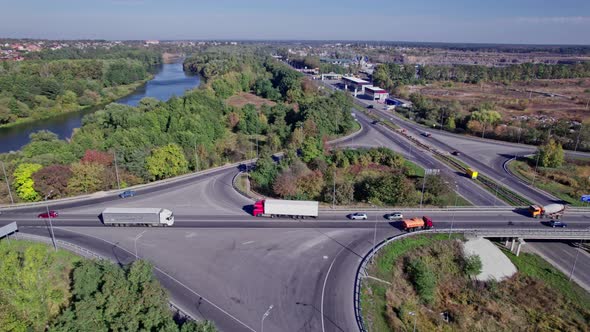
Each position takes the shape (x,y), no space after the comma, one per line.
(266,171)
(166,161)
(24,185)
(551,154)
(311,149)
(472,265)
(423,279)
(486,117)
(86,178)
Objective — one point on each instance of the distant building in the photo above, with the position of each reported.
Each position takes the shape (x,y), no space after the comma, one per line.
(152,42)
(331,76)
(376,93)
(354,84)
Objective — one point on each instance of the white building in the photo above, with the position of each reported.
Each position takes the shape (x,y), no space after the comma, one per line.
(376,93)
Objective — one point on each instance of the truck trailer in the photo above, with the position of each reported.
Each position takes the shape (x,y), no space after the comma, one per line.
(413,224)
(547,211)
(286,208)
(137,217)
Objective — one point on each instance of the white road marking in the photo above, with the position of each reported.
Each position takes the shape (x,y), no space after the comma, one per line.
(249,242)
(324,287)
(169,276)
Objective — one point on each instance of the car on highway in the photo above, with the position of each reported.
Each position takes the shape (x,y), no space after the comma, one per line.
(394,216)
(557,223)
(358,216)
(127,193)
(456,153)
(376,122)
(426,134)
(50,214)
(370,106)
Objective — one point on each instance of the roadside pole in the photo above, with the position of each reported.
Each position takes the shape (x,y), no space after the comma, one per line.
(116,169)
(7,184)
(50,223)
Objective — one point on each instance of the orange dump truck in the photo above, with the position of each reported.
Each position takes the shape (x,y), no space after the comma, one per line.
(417,224)
(548,211)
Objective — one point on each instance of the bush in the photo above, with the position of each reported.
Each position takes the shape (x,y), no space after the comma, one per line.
(472,265)
(423,279)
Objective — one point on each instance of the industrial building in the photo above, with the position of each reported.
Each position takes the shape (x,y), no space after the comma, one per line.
(355,84)
(376,93)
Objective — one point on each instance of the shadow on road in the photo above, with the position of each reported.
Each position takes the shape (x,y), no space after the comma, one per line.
(319,312)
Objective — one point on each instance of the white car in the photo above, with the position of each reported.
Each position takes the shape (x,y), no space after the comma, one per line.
(394,216)
(357,216)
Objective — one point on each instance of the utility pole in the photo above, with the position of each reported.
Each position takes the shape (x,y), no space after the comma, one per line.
(334,190)
(374,241)
(116,169)
(196,157)
(536,165)
(575,261)
(7,184)
(454,210)
(423,186)
(50,223)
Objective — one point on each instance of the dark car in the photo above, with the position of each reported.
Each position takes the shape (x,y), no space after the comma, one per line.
(557,223)
(426,134)
(370,106)
(127,193)
(375,122)
(456,153)
(50,214)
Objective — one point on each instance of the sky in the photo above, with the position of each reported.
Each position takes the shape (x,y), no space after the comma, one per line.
(468,21)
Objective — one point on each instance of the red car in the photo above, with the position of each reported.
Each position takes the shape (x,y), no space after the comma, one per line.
(45,215)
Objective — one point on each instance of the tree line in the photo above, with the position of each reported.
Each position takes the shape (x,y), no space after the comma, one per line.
(36,89)
(157,140)
(391,75)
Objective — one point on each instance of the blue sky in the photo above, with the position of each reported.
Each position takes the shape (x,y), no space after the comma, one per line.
(499,21)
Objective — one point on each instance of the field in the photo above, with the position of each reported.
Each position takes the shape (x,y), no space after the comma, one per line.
(241,99)
(537,298)
(568,182)
(565,98)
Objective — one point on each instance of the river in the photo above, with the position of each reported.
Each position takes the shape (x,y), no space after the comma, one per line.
(169,80)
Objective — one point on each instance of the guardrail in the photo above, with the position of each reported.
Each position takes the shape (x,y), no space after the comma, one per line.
(523,233)
(91,255)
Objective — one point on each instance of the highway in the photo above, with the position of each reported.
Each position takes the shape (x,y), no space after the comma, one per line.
(220,263)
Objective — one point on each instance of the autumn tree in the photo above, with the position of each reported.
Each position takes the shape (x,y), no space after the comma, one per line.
(86,178)
(285,185)
(24,185)
(551,154)
(166,161)
(52,179)
(98,157)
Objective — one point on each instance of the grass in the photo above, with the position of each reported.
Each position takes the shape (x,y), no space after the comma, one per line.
(537,298)
(522,169)
(242,183)
(413,169)
(535,267)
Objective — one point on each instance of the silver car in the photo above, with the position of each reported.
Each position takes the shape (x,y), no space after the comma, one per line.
(394,216)
(357,216)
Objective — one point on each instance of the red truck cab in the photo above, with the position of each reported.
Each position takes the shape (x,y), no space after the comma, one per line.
(427,222)
(258,208)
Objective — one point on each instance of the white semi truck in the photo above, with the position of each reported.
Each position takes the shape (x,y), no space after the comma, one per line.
(137,217)
(286,208)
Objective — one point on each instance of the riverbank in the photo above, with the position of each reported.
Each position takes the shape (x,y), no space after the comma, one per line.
(116,93)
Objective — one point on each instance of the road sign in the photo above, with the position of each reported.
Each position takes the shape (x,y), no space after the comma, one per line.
(432,171)
(585,198)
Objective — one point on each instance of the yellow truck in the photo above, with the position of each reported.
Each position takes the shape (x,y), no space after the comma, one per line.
(471,173)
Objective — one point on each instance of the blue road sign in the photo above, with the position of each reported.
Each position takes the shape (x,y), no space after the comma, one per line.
(585,198)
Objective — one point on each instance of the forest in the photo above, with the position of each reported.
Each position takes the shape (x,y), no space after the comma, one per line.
(391,75)
(43,290)
(157,140)
(69,79)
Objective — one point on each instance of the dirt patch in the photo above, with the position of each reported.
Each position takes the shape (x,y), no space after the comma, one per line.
(564,98)
(244,98)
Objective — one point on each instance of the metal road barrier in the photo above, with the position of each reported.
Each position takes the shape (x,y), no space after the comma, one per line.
(516,233)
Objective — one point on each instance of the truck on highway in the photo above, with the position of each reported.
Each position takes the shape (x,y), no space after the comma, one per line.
(413,224)
(137,217)
(548,211)
(471,173)
(286,208)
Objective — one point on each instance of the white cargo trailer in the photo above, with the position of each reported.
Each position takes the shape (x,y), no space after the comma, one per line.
(137,217)
(286,208)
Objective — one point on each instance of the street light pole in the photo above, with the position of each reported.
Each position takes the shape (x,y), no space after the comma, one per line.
(497,188)
(374,240)
(423,186)
(50,223)
(334,190)
(7,184)
(135,243)
(116,169)
(264,317)
(411,313)
(454,210)
(536,166)
(575,261)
